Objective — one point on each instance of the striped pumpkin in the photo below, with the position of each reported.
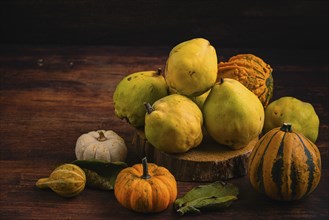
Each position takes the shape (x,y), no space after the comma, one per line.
(252,72)
(284,165)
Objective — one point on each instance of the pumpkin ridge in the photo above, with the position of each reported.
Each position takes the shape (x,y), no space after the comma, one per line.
(260,177)
(254,156)
(164,199)
(120,192)
(154,193)
(169,186)
(310,164)
(72,172)
(139,199)
(232,67)
(264,91)
(250,65)
(252,72)
(310,143)
(258,71)
(277,167)
(95,147)
(316,150)
(63,192)
(99,152)
(251,160)
(258,77)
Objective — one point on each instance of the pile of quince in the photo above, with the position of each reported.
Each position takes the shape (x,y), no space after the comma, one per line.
(178,107)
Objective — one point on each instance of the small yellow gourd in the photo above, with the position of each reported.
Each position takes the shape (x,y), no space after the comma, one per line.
(67,180)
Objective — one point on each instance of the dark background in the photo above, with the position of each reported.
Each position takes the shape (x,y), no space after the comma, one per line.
(226,24)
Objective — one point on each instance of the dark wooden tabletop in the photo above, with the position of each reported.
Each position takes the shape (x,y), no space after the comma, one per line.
(51,95)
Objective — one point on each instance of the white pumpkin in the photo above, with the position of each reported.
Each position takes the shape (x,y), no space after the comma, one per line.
(101,145)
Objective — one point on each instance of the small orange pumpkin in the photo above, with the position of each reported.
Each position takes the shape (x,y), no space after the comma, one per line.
(145,187)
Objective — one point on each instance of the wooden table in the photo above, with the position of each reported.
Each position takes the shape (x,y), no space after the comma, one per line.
(51,95)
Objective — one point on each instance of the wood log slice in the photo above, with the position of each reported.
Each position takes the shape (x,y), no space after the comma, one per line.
(208,162)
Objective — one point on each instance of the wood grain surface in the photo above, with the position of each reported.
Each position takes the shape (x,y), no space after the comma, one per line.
(50,95)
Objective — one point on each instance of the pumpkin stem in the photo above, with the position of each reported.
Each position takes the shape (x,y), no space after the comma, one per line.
(286,127)
(159,71)
(148,107)
(146,174)
(101,136)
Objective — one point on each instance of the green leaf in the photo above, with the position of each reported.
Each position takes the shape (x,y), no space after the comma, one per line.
(100,174)
(212,196)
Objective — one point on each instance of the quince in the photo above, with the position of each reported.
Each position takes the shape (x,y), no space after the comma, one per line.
(135,89)
(174,124)
(191,67)
(233,115)
(300,114)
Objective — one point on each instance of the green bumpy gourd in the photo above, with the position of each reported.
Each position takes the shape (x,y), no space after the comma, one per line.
(135,89)
(191,67)
(174,124)
(289,109)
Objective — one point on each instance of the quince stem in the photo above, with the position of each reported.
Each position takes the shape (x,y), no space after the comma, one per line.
(148,107)
(159,71)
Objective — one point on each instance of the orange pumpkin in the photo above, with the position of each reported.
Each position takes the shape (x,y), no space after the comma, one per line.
(145,188)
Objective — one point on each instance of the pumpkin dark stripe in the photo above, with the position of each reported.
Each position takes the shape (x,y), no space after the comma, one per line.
(316,150)
(310,165)
(258,77)
(260,72)
(260,176)
(294,179)
(260,65)
(312,145)
(278,167)
(260,179)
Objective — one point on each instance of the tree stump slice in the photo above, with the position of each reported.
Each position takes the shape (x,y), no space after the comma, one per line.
(208,162)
